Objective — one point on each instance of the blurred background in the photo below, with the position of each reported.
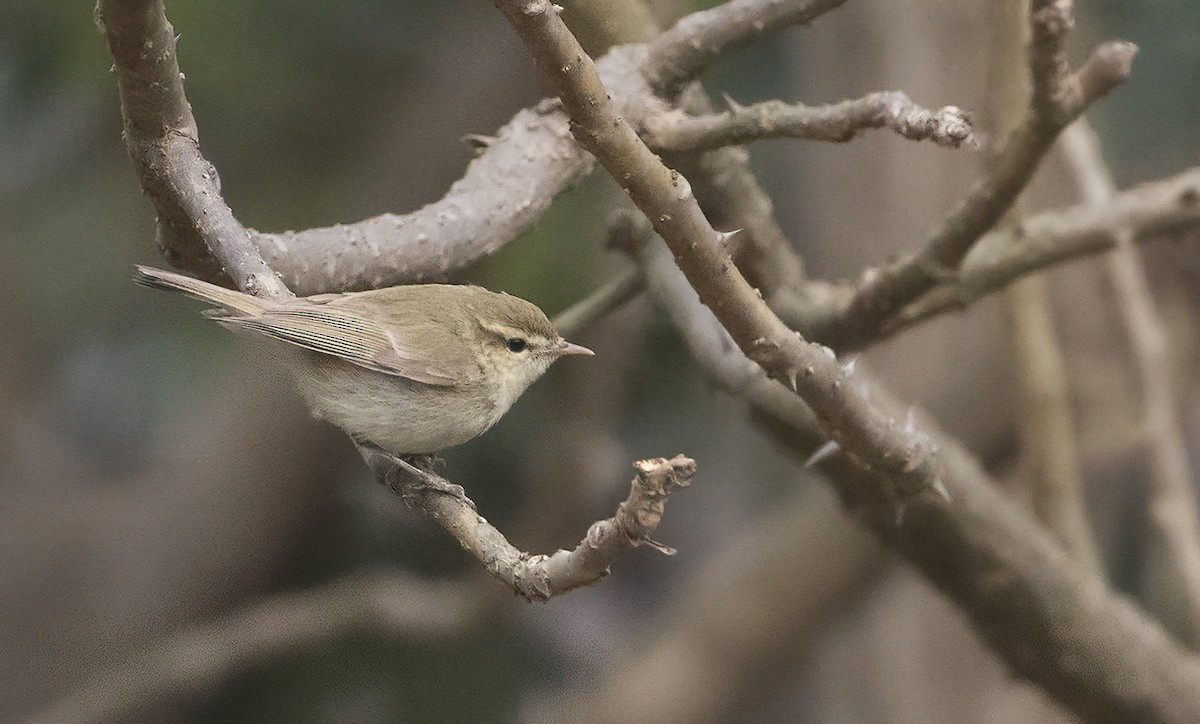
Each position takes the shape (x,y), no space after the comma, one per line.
(156,475)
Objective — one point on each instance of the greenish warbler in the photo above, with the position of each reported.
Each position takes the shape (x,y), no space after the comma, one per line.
(412,369)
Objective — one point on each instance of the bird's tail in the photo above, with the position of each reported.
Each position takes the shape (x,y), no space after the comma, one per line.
(229,300)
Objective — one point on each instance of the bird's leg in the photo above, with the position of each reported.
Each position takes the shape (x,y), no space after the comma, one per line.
(408,474)
(420,468)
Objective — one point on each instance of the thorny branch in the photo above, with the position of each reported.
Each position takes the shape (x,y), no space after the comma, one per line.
(1051,621)
(665,197)
(353,257)
(873,439)
(194,224)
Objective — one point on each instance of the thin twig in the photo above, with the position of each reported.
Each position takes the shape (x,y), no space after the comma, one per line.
(838,122)
(540,577)
(598,304)
(194,224)
(883,292)
(1172,504)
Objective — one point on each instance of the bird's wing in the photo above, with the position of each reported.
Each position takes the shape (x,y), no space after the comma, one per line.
(353,336)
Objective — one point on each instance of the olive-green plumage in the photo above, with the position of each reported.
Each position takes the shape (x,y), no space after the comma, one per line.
(412,369)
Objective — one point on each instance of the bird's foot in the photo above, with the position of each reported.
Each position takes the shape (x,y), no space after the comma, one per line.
(408,475)
(422,480)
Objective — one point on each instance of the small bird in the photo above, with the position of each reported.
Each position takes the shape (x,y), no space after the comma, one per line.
(410,369)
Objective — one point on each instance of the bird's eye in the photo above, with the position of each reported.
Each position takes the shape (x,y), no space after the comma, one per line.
(515,344)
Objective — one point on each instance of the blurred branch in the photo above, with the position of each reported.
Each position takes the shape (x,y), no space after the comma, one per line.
(1054,624)
(164,145)
(1155,211)
(838,122)
(1046,425)
(1047,422)
(1172,505)
(1058,99)
(540,577)
(682,53)
(598,304)
(199,658)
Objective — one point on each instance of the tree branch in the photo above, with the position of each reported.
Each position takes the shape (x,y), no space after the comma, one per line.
(681,54)
(1162,209)
(540,577)
(950,546)
(502,191)
(194,224)
(1049,447)
(665,198)
(1059,627)
(598,304)
(1172,504)
(884,292)
(838,122)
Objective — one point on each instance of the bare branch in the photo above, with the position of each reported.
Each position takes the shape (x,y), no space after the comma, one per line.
(1049,448)
(1164,209)
(883,292)
(722,179)
(838,122)
(503,190)
(540,577)
(164,144)
(197,659)
(955,543)
(665,197)
(732,197)
(1053,623)
(1172,505)
(681,54)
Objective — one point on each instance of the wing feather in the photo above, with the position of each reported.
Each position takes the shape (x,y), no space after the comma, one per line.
(350,334)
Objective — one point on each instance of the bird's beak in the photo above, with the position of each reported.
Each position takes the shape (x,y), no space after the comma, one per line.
(565,348)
